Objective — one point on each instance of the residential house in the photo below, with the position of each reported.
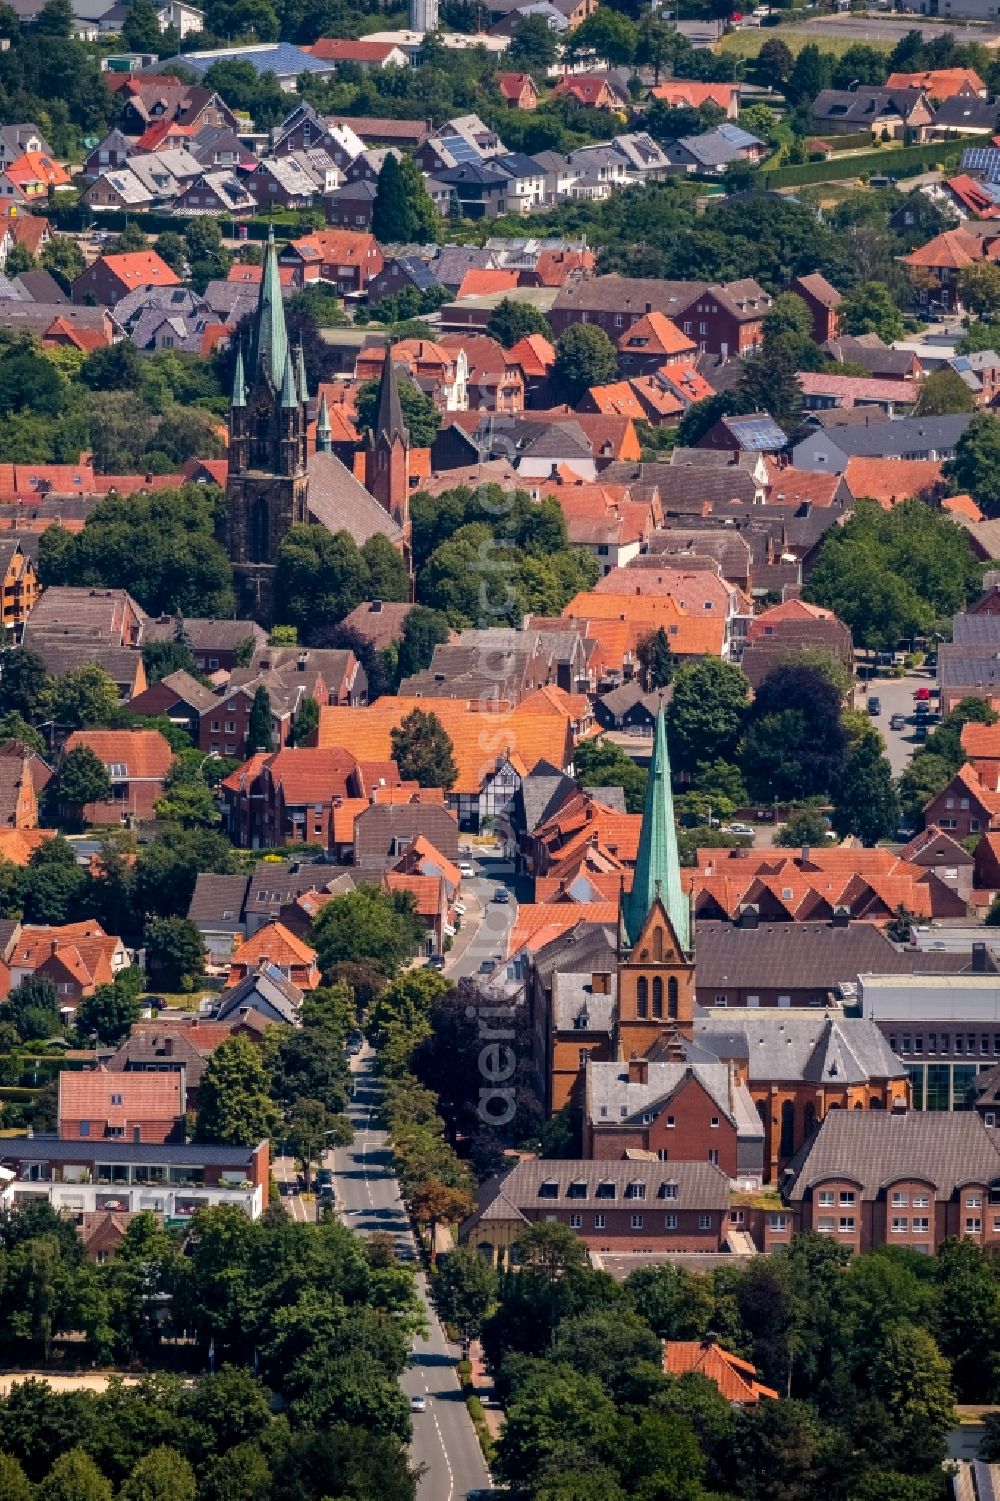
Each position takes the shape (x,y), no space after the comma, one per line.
(364,54)
(137,763)
(790,627)
(109,155)
(494,378)
(822,391)
(888,114)
(352,205)
(911,1180)
(518,90)
(710,153)
(880,360)
(652,342)
(273,945)
(18,793)
(216,193)
(736,1379)
(593,91)
(823,301)
(108,279)
(612,1206)
(19,590)
(133,1107)
(76,957)
(941,83)
(936,266)
(265,993)
(685,93)
(346,259)
(913,438)
(179,696)
(724,320)
(216,645)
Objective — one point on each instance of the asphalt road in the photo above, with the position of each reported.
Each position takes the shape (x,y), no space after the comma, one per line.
(487,924)
(444,1444)
(896,697)
(892,28)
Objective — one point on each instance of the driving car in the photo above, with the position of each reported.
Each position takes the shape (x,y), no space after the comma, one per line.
(874,706)
(897,721)
(467,868)
(418,1403)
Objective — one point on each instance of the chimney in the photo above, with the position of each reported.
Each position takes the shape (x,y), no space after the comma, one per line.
(749,917)
(805,854)
(979,959)
(53,945)
(376,607)
(841,917)
(638,1071)
(731,1080)
(600,983)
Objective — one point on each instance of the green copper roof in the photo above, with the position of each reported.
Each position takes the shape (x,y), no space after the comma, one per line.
(657,864)
(289,395)
(239,381)
(270,347)
(300,373)
(324,433)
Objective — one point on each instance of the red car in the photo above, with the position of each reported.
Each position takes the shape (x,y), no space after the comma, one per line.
(922,693)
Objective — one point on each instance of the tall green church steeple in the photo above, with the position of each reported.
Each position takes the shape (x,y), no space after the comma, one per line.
(270,337)
(657,865)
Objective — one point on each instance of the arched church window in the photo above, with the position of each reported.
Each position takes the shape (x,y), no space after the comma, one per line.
(672,997)
(642,996)
(658,997)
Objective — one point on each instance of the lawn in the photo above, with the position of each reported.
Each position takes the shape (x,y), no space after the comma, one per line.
(749,42)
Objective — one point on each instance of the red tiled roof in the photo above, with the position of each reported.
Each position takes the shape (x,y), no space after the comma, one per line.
(891,480)
(144,753)
(425,890)
(534,353)
(479,281)
(736,1379)
(656,334)
(115,1097)
(940,83)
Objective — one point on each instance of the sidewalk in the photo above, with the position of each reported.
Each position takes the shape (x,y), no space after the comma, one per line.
(468,932)
(483,1386)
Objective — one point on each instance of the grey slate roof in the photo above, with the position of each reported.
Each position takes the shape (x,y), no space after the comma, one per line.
(587,945)
(543,792)
(807,955)
(51,1149)
(614,1100)
(896,439)
(876,1148)
(267,988)
(341,503)
(218,900)
(699,1185)
(576,1007)
(814,1049)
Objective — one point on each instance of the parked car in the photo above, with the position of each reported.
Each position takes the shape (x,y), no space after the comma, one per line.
(487,966)
(922,708)
(467,868)
(922,693)
(355,1042)
(501,896)
(874,706)
(436,961)
(897,721)
(742,829)
(920,733)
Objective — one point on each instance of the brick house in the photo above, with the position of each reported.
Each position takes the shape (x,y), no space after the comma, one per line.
(681,1112)
(76,957)
(275,946)
(721,319)
(112,277)
(137,762)
(823,301)
(614,1207)
(966,806)
(736,1379)
(343,257)
(216,645)
(20,588)
(138,1107)
(911,1180)
(518,90)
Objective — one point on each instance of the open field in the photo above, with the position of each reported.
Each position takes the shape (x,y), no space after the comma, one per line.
(748,43)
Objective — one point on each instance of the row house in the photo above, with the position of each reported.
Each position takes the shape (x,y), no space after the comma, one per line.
(722,319)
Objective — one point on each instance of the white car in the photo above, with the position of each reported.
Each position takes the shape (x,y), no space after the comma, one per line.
(418,1403)
(466,869)
(740,828)
(460,908)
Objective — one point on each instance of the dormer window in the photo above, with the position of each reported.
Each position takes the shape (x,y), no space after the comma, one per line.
(549,1189)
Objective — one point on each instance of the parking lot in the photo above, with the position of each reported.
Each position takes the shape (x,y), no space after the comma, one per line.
(896,696)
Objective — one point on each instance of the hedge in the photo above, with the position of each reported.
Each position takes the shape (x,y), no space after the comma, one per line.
(887,161)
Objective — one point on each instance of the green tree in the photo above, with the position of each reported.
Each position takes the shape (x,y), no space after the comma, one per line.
(912,1379)
(306,1132)
(422,749)
(423,629)
(806,827)
(234,1103)
(511,320)
(74,1476)
(465,1289)
(160,1475)
(944,392)
(865,801)
(654,44)
(84,696)
(420,415)
(656,659)
(14,1483)
(869,308)
(25,686)
(19,258)
(811,73)
(599,763)
(775,62)
(55,19)
(366,924)
(555,1410)
(707,712)
(979,286)
(175,952)
(607,35)
(585,357)
(141,27)
(109,1012)
(795,741)
(976,465)
(306,721)
(83,778)
(534,45)
(259,733)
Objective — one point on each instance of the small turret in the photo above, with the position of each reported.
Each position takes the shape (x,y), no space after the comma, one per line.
(301,374)
(289,395)
(324,432)
(239,381)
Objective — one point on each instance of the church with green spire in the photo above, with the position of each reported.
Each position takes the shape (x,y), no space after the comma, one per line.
(268,487)
(656,989)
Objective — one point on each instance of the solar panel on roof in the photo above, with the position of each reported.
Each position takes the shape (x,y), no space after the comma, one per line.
(462,150)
